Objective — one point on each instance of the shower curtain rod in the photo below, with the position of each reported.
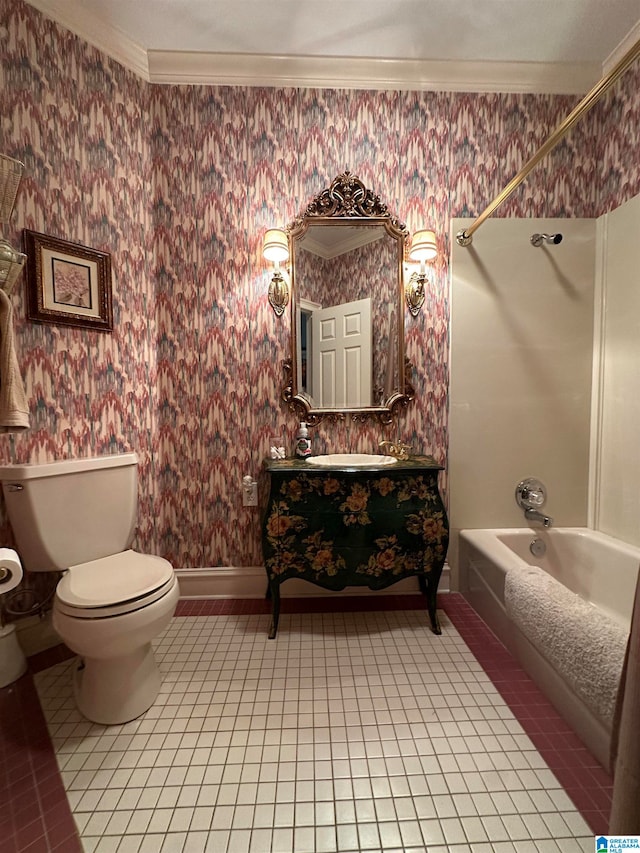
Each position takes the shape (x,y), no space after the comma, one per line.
(465,237)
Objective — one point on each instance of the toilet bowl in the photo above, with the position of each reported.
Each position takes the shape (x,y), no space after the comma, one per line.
(78,516)
(108,611)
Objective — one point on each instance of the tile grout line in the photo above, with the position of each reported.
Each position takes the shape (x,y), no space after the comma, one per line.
(462,618)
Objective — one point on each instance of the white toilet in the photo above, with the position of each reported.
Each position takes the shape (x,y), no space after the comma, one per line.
(79,515)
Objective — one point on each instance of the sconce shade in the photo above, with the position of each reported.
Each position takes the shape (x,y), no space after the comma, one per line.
(423,246)
(10,174)
(276,245)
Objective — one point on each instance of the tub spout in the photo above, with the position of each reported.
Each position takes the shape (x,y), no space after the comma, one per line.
(533,515)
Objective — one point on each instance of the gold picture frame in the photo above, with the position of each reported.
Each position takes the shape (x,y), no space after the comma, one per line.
(67,283)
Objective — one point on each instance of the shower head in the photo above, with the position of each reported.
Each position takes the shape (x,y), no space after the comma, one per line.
(552,239)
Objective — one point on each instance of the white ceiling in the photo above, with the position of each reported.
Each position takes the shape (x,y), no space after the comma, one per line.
(473,45)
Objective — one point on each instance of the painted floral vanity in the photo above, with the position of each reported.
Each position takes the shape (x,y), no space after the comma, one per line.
(346,526)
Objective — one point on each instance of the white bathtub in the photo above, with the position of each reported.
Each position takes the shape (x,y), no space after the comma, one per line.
(600,570)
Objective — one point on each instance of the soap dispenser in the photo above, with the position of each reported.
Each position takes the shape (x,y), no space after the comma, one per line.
(303,442)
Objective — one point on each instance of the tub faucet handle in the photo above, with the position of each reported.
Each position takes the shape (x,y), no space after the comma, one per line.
(533,496)
(530,494)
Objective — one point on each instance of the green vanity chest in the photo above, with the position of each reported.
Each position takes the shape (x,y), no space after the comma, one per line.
(342,527)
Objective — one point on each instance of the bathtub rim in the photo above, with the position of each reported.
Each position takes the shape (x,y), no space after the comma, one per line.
(489,538)
(489,544)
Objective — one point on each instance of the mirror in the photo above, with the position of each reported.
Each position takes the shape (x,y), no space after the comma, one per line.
(347,308)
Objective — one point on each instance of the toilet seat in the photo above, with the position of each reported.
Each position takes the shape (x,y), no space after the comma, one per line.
(114,585)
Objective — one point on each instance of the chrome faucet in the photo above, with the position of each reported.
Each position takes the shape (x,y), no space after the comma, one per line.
(397,449)
(531,496)
(533,515)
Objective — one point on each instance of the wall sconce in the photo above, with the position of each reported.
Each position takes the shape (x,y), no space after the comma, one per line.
(275,248)
(11,261)
(423,248)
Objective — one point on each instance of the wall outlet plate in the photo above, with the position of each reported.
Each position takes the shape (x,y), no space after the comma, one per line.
(250,494)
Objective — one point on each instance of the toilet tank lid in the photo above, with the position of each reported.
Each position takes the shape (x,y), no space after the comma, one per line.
(33,471)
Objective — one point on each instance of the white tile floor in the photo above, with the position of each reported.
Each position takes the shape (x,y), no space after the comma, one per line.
(349,732)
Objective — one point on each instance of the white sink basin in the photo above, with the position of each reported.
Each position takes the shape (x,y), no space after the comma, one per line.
(351,460)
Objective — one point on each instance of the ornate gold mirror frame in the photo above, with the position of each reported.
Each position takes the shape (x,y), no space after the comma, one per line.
(348,204)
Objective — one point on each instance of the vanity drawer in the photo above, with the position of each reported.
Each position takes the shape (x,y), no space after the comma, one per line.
(354,494)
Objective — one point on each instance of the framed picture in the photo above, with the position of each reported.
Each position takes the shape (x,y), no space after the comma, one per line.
(67,283)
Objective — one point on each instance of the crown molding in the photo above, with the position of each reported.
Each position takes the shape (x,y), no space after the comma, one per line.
(353,237)
(381,74)
(105,37)
(625,45)
(228,69)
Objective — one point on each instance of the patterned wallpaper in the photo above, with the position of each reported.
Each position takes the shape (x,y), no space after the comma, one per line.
(616,125)
(179,184)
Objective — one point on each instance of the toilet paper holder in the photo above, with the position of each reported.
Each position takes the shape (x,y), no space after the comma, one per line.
(10,570)
(13,663)
(5,576)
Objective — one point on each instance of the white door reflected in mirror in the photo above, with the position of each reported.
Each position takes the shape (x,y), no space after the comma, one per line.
(341,355)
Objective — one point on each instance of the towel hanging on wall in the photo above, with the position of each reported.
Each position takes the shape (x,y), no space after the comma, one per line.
(14,408)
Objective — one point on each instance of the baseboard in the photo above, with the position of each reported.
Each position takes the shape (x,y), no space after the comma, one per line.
(250,582)
(36,634)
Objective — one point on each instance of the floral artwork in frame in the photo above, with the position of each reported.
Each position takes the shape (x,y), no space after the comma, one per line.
(67,283)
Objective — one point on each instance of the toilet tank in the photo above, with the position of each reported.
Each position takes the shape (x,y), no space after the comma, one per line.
(73,511)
